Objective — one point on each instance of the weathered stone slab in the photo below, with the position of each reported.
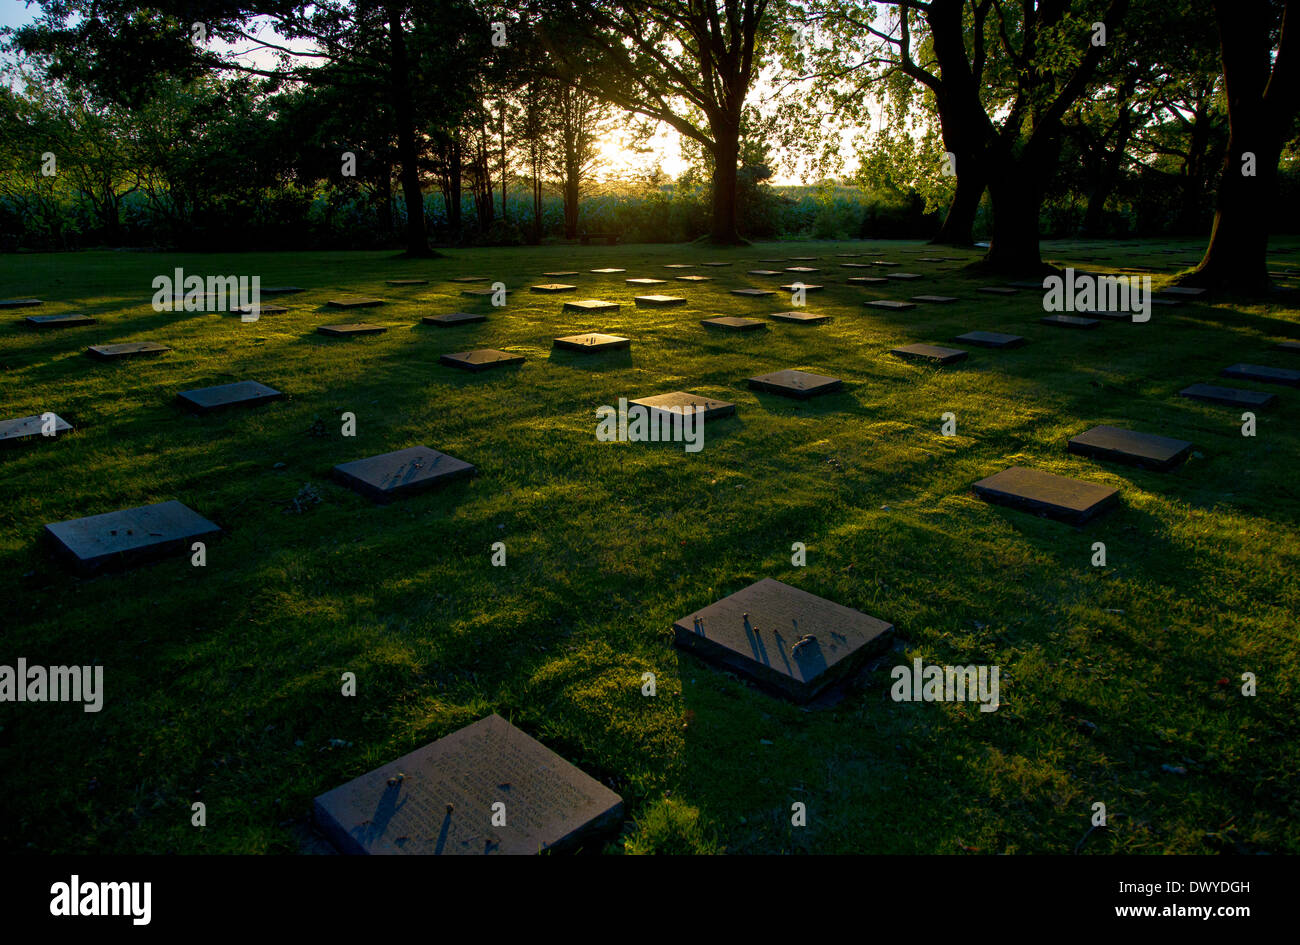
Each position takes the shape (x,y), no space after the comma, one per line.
(806,318)
(752,293)
(782,638)
(715,264)
(890,304)
(802,259)
(480,359)
(679,266)
(866,280)
(883,262)
(552,287)
(733,323)
(28,429)
(608,272)
(991,339)
(764,272)
(468,279)
(681,402)
(996,290)
(406,281)
(1292,346)
(935,299)
(562,273)
(126,349)
(658,301)
(350,330)
(482,293)
(1263,374)
(57,321)
(1181,292)
(936,353)
(905,276)
(439,800)
(855,265)
(693,278)
(401,473)
(1232,396)
(1125,446)
(20,303)
(130,536)
(262,310)
(646,281)
(453,318)
(802,286)
(1112,316)
(802,270)
(1043,493)
(238,394)
(592,342)
(1069,321)
(800,385)
(355,301)
(591,305)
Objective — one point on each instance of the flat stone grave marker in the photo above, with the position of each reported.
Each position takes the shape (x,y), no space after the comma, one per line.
(646,281)
(406,282)
(58,321)
(453,318)
(1069,321)
(1262,374)
(262,310)
(1292,346)
(350,330)
(800,385)
(354,301)
(440,800)
(592,342)
(1043,493)
(126,349)
(782,638)
(658,301)
(129,536)
(591,305)
(679,266)
(694,278)
(991,339)
(608,272)
(773,262)
(480,359)
(801,269)
(552,287)
(1125,446)
(932,259)
(884,263)
(715,264)
(1112,316)
(282,289)
(848,255)
(238,394)
(1232,396)
(922,352)
(890,304)
(802,259)
(752,293)
(806,286)
(905,276)
(481,293)
(855,265)
(935,299)
(996,290)
(401,472)
(20,303)
(807,318)
(29,428)
(562,273)
(734,323)
(470,279)
(764,272)
(866,280)
(682,402)
(1181,292)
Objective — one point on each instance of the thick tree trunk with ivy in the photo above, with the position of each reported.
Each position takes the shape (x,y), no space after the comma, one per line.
(1262,97)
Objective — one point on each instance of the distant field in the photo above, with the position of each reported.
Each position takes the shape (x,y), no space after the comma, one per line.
(223,683)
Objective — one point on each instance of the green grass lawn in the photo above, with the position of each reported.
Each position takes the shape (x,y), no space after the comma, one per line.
(223,683)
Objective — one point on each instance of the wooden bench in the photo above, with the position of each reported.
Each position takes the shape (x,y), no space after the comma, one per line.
(609,238)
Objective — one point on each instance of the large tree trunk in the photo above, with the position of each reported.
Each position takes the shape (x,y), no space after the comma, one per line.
(959,222)
(454,188)
(1016,196)
(571,203)
(417,237)
(1262,98)
(726,157)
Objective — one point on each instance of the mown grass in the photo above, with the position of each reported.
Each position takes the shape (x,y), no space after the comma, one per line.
(223,683)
